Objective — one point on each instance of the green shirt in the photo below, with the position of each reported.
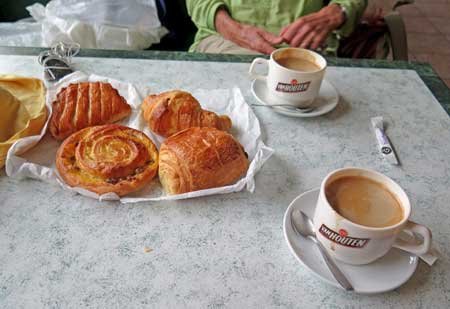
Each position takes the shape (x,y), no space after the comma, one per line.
(272,15)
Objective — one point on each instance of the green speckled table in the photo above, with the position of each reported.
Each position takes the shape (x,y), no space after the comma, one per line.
(62,250)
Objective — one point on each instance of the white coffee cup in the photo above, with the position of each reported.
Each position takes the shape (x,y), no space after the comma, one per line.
(356,244)
(294,87)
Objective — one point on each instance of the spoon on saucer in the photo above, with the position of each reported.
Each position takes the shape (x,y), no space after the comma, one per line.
(294,108)
(303,225)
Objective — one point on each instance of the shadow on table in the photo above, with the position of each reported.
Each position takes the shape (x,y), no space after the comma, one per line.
(278,182)
(417,281)
(343,107)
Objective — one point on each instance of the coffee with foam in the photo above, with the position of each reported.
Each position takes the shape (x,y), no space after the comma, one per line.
(364,201)
(298,64)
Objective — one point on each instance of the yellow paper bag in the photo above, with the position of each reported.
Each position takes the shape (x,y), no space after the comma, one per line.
(22,110)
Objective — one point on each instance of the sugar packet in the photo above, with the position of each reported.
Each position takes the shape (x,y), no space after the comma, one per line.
(383,141)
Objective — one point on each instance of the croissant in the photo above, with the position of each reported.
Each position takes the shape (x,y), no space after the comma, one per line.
(86,104)
(200,158)
(170,112)
(107,158)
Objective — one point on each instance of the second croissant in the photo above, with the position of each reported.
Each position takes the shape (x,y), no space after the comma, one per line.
(173,111)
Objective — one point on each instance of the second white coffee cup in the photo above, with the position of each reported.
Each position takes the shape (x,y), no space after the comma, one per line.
(292,86)
(353,243)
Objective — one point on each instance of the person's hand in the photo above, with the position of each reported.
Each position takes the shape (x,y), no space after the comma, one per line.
(311,31)
(246,36)
(256,39)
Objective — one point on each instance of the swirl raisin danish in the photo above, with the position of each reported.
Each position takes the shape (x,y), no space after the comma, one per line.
(173,111)
(200,158)
(107,158)
(86,104)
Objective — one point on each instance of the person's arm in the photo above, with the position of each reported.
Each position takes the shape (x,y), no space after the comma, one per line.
(354,9)
(213,15)
(203,12)
(247,36)
(311,31)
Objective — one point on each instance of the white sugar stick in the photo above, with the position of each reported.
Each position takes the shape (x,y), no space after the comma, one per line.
(383,141)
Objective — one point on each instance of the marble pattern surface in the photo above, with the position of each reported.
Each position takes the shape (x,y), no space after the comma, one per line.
(61,250)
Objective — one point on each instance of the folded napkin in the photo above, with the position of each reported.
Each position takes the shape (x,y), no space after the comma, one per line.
(431,256)
(23,110)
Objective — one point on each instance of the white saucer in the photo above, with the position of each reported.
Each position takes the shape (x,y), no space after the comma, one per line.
(325,102)
(385,274)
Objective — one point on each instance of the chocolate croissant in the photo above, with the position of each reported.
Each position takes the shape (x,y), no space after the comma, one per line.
(200,158)
(107,158)
(170,112)
(86,104)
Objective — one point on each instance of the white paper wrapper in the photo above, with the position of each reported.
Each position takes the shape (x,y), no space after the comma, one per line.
(39,162)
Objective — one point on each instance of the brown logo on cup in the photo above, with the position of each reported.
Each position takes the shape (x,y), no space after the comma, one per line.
(341,237)
(293,87)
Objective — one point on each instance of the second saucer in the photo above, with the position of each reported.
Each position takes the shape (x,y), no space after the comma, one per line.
(325,102)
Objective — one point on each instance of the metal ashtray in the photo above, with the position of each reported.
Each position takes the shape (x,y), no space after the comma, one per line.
(57,60)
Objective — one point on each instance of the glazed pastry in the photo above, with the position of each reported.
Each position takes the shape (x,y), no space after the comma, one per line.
(170,112)
(86,104)
(107,158)
(200,158)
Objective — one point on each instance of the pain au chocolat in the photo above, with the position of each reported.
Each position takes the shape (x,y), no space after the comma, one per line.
(173,111)
(81,105)
(200,158)
(107,158)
